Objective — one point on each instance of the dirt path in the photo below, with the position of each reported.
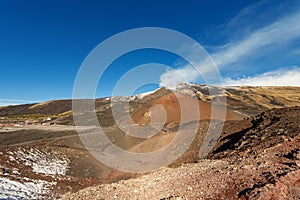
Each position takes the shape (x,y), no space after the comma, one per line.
(40,140)
(16,136)
(45,128)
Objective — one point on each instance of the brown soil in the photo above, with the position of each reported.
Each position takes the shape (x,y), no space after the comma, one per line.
(247,166)
(171,105)
(267,175)
(256,158)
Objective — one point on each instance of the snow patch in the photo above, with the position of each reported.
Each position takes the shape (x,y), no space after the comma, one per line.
(142,95)
(34,189)
(13,183)
(43,162)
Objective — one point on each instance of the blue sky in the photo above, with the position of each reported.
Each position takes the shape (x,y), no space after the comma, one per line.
(43,43)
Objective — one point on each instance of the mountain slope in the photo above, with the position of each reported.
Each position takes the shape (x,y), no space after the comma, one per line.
(240,101)
(255,168)
(253,140)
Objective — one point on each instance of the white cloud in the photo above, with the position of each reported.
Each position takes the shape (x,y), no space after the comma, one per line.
(282,77)
(296,52)
(246,14)
(186,74)
(278,33)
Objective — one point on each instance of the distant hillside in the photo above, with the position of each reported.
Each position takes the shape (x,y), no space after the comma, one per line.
(243,101)
(46,108)
(258,146)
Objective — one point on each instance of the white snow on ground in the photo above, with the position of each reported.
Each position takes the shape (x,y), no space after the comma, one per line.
(116,99)
(130,98)
(142,95)
(179,86)
(34,189)
(13,184)
(43,162)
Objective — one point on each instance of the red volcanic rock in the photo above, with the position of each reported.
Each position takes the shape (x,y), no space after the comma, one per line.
(171,104)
